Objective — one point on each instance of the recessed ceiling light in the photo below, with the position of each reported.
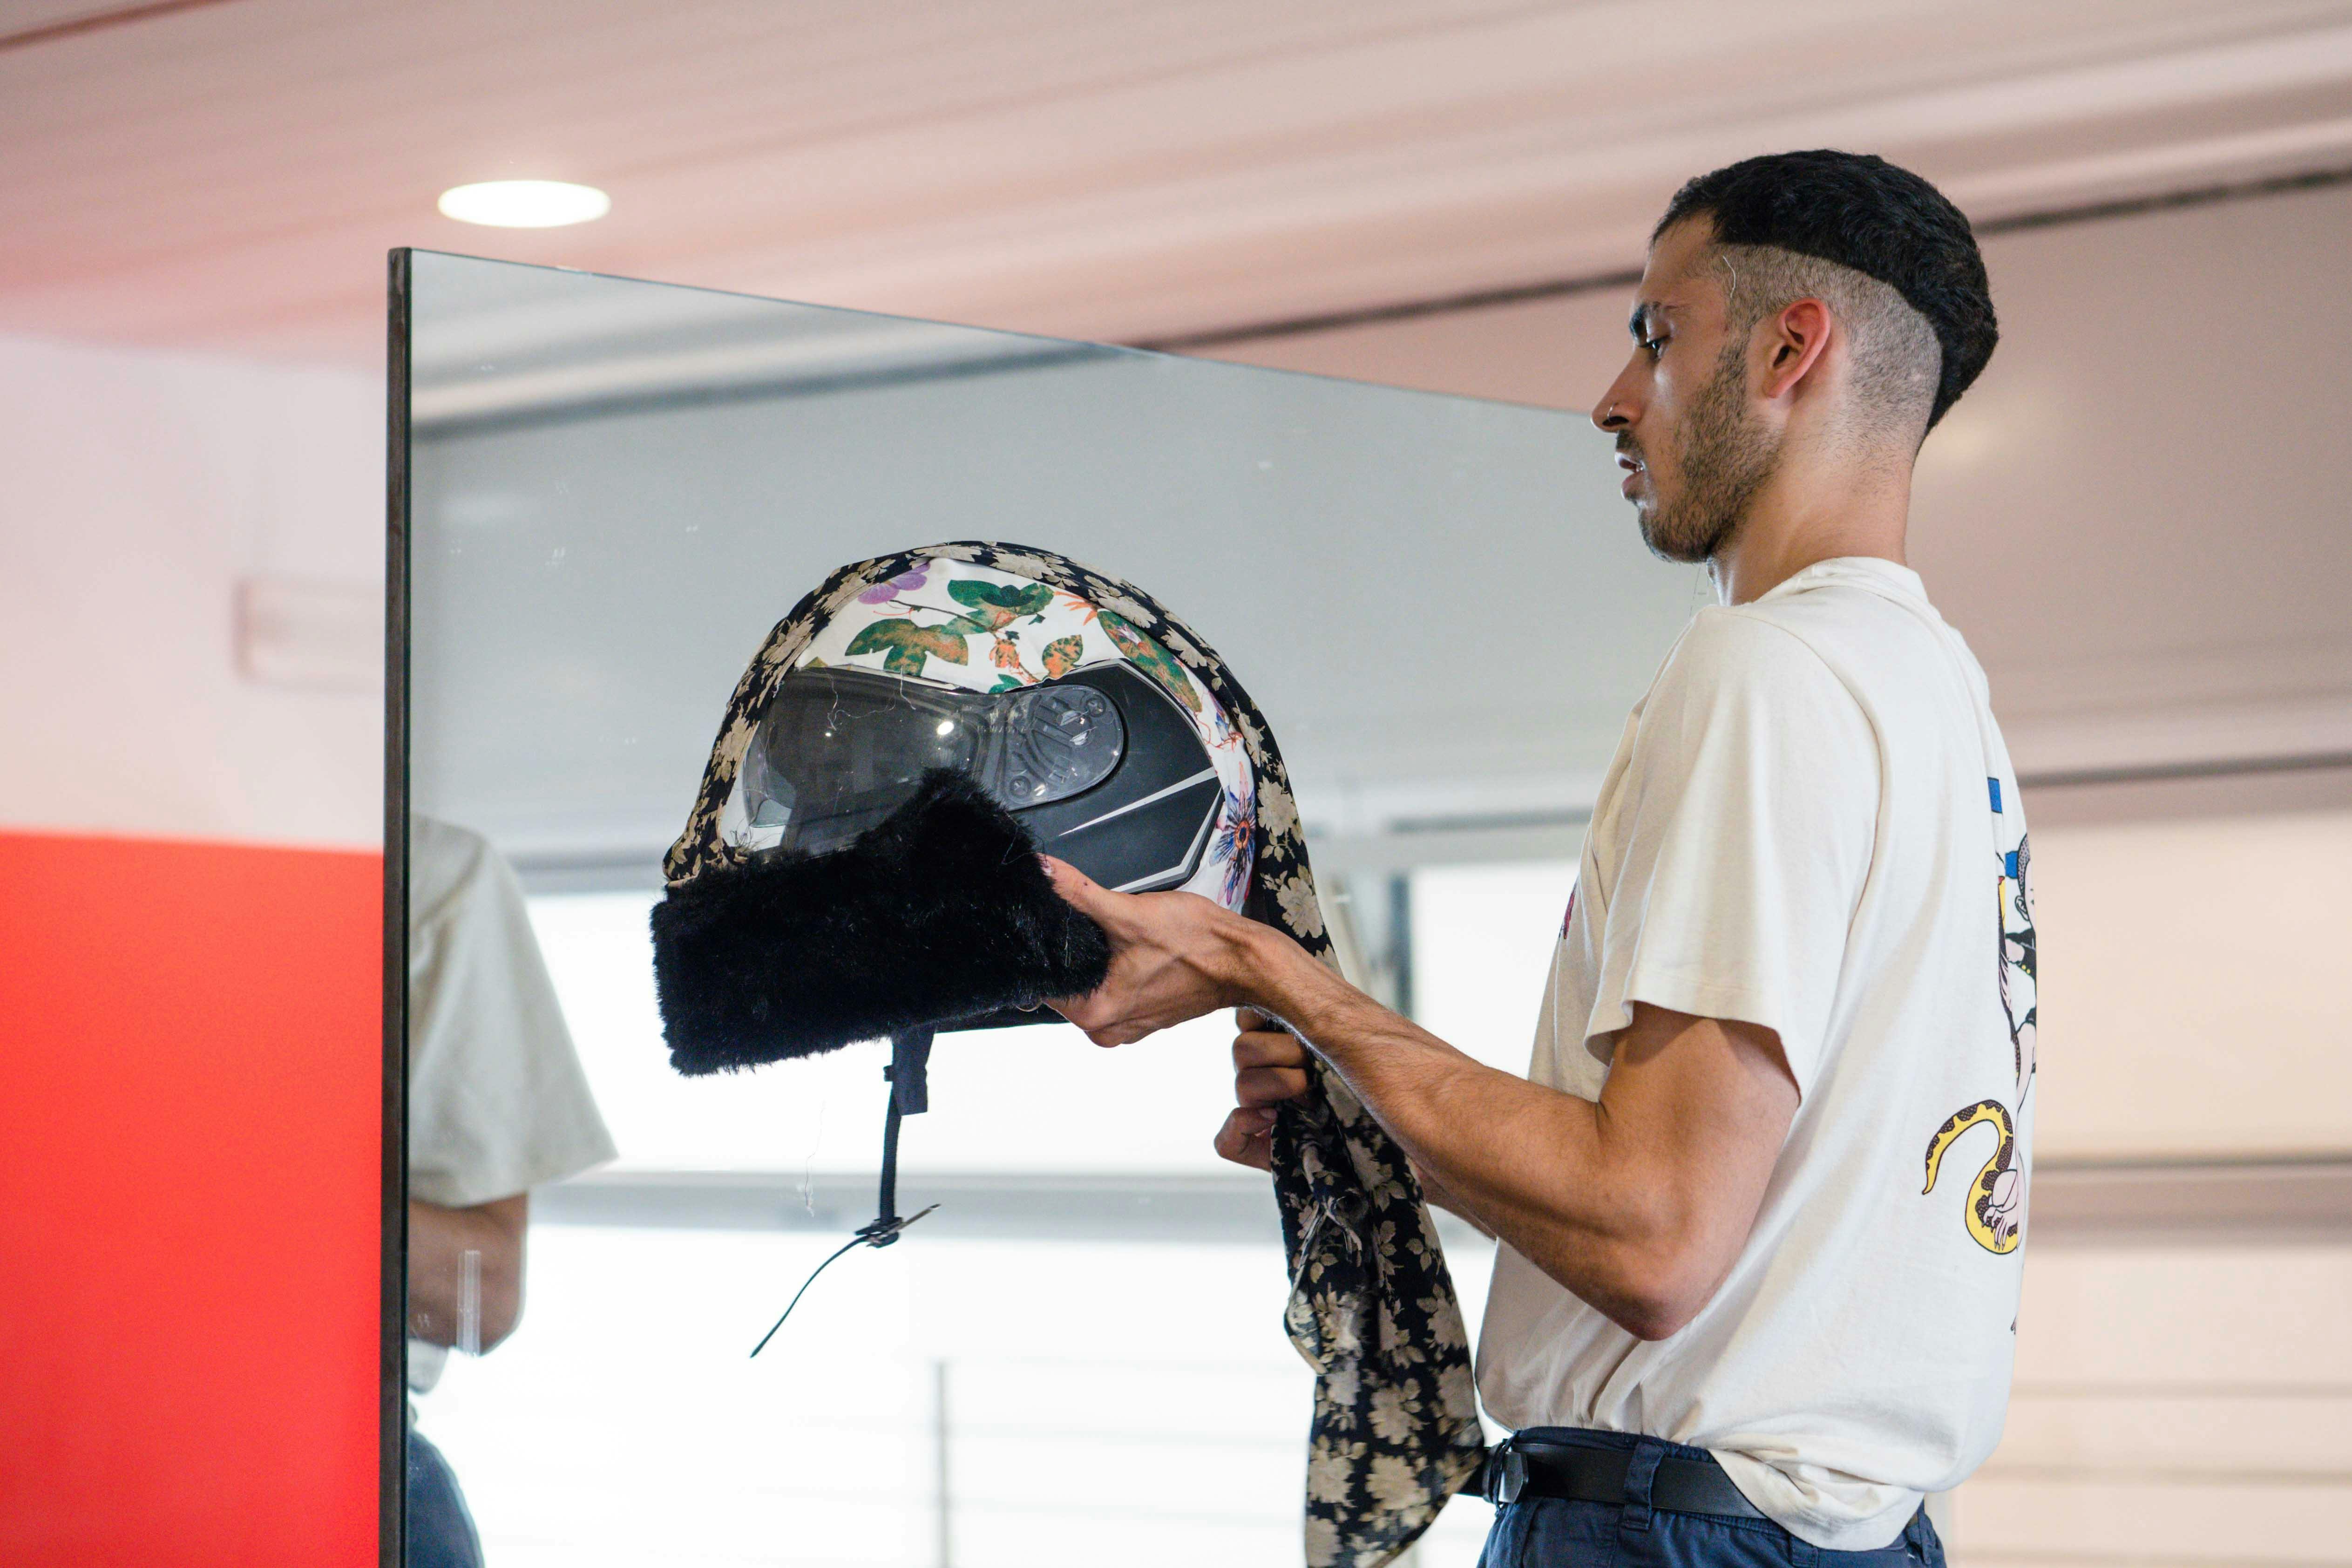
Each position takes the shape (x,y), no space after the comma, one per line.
(524,203)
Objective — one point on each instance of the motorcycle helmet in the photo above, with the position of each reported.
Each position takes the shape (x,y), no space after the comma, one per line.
(861,861)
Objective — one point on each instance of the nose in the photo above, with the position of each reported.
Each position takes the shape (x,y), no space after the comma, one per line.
(1615,410)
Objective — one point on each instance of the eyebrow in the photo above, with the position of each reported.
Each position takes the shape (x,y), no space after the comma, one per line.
(1642,313)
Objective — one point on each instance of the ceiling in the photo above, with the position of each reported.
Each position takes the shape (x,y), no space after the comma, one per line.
(226,174)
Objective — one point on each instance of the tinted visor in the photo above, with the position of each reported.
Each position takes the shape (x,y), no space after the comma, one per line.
(838,750)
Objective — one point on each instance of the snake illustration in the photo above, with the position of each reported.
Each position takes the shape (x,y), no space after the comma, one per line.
(2000,1189)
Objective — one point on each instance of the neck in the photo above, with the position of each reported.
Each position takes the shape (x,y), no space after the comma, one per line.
(1811,512)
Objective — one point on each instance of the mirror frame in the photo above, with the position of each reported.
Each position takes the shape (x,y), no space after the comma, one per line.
(392,1448)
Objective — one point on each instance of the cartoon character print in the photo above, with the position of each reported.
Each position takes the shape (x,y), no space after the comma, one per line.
(1995,1211)
(2019,959)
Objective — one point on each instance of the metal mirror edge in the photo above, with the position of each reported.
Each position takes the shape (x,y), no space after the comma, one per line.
(393,1423)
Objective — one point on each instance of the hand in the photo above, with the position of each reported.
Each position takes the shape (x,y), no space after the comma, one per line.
(1269,1066)
(1173,956)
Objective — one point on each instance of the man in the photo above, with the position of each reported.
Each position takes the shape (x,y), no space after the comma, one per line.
(1727,1325)
(497,1104)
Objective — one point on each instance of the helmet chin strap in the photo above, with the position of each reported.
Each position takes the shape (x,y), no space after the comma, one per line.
(908,1075)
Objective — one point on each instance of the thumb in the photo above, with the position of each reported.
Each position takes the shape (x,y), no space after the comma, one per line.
(1075,886)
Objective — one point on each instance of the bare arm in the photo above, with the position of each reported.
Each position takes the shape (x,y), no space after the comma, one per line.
(1639,1203)
(438,1239)
(1270,1066)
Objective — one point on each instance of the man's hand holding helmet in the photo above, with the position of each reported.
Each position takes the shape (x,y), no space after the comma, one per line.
(1174,957)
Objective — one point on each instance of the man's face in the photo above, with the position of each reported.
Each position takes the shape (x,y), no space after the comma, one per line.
(1694,452)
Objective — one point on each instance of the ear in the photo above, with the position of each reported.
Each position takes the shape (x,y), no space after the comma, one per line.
(1795,341)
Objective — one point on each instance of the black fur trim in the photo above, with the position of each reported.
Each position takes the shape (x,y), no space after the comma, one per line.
(941,913)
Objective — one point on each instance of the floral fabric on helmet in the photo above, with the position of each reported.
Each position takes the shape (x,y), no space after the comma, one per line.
(961,623)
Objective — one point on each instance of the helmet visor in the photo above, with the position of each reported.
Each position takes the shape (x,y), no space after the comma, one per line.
(838,750)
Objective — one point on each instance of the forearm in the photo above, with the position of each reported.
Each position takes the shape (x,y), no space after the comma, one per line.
(1438,1196)
(1544,1170)
(1639,1203)
(438,1242)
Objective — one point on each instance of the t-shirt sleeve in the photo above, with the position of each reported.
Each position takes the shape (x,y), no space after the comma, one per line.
(1752,806)
(498,1102)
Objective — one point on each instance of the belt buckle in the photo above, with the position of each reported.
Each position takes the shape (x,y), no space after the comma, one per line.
(1507,1476)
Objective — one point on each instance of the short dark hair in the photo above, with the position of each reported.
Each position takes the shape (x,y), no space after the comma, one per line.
(1861,212)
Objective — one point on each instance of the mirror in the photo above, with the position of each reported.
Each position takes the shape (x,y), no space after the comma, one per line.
(612,490)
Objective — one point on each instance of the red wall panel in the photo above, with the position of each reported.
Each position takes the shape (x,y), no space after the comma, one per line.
(189,1134)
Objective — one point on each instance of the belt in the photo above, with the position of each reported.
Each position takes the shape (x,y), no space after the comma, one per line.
(1518,1469)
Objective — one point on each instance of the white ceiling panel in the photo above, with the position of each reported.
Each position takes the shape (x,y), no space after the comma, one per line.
(228,176)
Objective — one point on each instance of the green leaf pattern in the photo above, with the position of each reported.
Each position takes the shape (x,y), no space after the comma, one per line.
(1152,659)
(903,646)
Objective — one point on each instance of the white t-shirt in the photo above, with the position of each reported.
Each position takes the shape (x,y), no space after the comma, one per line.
(498,1103)
(1811,824)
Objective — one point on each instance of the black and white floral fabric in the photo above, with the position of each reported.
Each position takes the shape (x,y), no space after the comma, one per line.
(1395,1430)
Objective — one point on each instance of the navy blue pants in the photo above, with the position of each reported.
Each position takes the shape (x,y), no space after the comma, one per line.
(440,1531)
(1553,1533)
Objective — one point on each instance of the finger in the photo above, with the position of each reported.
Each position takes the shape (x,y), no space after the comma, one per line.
(1247,1139)
(1256,1121)
(1075,886)
(1249,1020)
(1268,1050)
(1269,1086)
(1096,1020)
(1089,1012)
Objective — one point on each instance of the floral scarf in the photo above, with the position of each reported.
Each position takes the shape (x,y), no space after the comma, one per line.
(1395,1430)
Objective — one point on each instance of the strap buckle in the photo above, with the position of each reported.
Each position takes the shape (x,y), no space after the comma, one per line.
(1506,1477)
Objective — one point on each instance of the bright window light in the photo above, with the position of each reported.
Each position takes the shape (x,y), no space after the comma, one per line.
(525,204)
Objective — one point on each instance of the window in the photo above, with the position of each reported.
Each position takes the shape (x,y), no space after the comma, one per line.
(1014,1396)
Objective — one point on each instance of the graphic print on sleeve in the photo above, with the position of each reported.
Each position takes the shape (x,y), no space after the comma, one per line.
(1996,1210)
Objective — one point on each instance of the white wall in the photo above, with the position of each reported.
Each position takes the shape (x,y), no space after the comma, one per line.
(136,492)
(2136,515)
(2193,1002)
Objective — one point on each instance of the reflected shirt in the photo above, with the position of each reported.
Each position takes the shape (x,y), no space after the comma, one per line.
(498,1102)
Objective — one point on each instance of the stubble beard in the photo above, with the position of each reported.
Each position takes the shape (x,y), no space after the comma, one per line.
(1722,458)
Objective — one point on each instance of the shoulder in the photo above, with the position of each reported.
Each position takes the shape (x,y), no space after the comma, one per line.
(1857,630)
(1746,649)
(447,866)
(1742,681)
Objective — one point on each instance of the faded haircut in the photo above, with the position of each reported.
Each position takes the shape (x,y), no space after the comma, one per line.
(1863,214)
(1895,357)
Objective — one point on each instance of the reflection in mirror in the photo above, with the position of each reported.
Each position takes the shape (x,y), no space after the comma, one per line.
(497,1104)
(615,489)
